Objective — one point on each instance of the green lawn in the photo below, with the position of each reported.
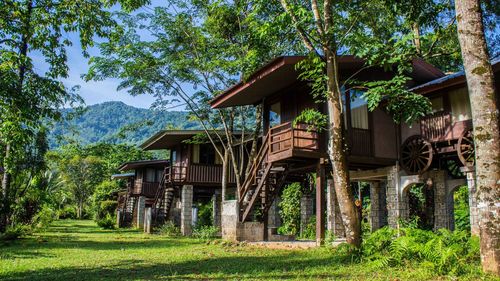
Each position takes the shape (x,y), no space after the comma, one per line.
(79,250)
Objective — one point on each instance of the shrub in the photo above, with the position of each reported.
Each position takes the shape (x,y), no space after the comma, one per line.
(461,205)
(444,252)
(169,229)
(309,231)
(107,222)
(107,207)
(206,232)
(67,212)
(205,215)
(44,218)
(15,232)
(105,214)
(290,209)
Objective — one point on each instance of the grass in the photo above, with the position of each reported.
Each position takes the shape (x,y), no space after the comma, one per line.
(79,250)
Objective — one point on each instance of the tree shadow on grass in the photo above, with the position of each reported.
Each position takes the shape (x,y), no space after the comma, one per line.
(285,266)
(66,242)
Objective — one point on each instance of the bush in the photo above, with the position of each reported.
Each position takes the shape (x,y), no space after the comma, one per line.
(106,207)
(107,222)
(105,214)
(169,229)
(205,216)
(444,252)
(67,212)
(290,209)
(206,232)
(309,231)
(44,218)
(15,232)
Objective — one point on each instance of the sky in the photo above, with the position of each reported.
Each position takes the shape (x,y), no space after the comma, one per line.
(95,92)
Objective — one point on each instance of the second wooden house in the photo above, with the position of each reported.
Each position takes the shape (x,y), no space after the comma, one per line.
(193,175)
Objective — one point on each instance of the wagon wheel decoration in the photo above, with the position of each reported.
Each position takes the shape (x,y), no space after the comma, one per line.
(416,155)
(465,148)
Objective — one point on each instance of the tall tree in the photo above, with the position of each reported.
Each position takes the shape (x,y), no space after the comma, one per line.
(199,48)
(28,98)
(485,115)
(387,34)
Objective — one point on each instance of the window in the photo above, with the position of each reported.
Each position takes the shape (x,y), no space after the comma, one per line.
(275,114)
(460,105)
(437,104)
(359,111)
(196,154)
(159,174)
(207,154)
(150,175)
(174,156)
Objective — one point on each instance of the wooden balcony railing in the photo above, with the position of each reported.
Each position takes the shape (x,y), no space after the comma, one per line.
(149,188)
(299,137)
(198,173)
(145,188)
(436,126)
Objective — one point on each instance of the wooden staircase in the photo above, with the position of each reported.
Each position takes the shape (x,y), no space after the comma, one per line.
(264,182)
(164,197)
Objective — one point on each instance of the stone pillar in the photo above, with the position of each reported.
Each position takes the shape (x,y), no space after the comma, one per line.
(187,210)
(377,213)
(229,220)
(392,195)
(440,201)
(306,211)
(274,219)
(473,210)
(141,204)
(334,220)
(119,218)
(217,208)
(147,220)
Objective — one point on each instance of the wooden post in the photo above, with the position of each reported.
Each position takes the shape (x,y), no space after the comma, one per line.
(265,213)
(320,203)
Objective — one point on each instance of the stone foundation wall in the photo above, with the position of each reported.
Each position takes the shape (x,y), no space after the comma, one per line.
(306,211)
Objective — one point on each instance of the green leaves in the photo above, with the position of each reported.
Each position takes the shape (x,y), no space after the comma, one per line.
(313,118)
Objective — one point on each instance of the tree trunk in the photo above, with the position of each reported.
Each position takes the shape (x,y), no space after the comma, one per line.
(338,156)
(256,134)
(80,209)
(485,115)
(4,212)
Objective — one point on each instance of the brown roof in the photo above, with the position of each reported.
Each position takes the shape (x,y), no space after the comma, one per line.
(142,163)
(451,80)
(169,138)
(280,73)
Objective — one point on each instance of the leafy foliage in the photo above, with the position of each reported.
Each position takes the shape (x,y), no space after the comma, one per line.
(309,230)
(290,209)
(205,214)
(445,252)
(206,232)
(169,229)
(462,210)
(313,118)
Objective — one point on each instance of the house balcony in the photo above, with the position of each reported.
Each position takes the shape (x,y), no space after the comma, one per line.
(199,174)
(439,127)
(288,141)
(147,189)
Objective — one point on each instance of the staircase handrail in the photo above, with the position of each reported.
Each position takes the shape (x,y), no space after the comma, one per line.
(257,162)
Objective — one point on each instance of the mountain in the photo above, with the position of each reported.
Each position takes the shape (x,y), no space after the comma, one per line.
(116,122)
